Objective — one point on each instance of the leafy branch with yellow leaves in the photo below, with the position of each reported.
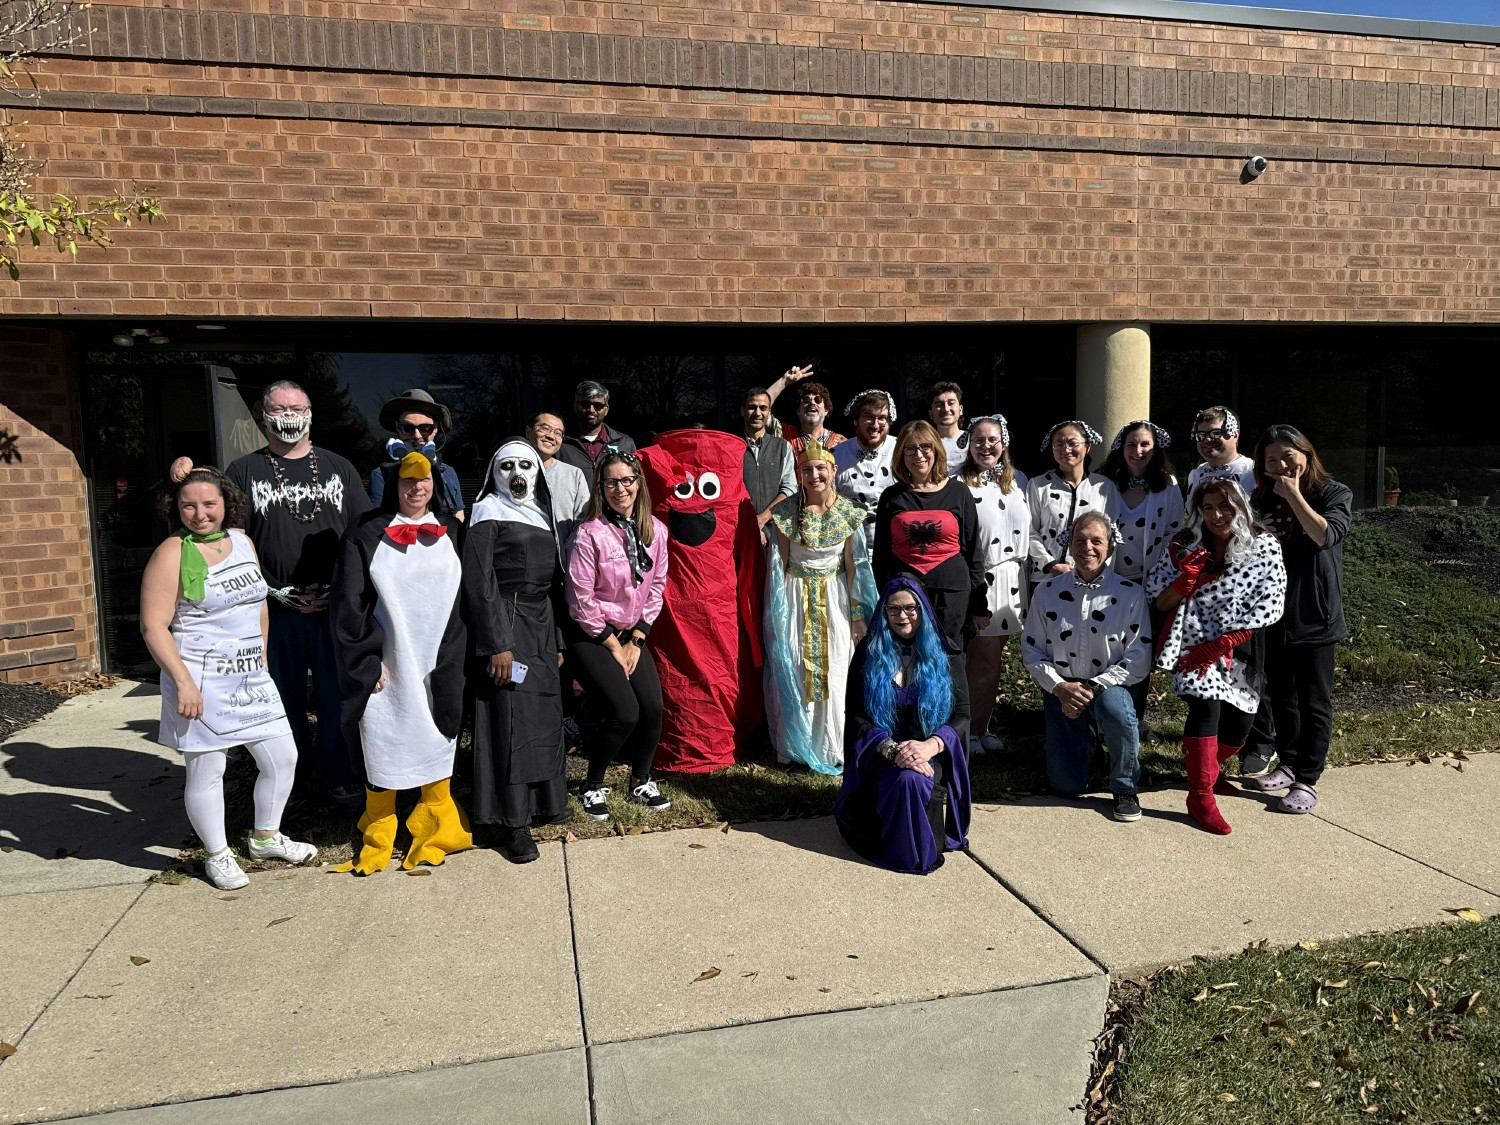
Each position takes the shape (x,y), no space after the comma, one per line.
(28,28)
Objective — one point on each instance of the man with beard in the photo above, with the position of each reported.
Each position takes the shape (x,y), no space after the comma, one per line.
(302,500)
(590,408)
(768,459)
(570,486)
(813,405)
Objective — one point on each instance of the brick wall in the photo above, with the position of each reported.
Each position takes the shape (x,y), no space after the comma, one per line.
(47,626)
(776,161)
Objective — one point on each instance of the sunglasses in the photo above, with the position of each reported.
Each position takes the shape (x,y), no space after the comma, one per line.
(1210,435)
(408,429)
(593,406)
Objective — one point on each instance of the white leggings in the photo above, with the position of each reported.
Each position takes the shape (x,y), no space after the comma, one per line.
(204,797)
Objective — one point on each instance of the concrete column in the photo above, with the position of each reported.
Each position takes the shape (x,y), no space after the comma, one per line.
(1113,376)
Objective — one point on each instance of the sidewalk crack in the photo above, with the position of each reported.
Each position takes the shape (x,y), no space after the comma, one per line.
(1406,855)
(1020,896)
(583,1019)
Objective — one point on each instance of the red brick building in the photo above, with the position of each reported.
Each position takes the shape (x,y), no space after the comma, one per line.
(1050,205)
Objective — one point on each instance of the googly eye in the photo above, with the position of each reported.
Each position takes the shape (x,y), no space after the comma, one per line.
(684,490)
(708,486)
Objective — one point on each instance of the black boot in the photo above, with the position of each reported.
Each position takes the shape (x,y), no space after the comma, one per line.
(518,845)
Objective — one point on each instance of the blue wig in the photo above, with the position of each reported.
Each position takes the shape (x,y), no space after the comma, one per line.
(931,672)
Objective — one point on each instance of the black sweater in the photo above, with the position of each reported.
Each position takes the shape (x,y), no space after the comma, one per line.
(1314,571)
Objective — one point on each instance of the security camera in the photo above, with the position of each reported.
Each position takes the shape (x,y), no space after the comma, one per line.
(1255,166)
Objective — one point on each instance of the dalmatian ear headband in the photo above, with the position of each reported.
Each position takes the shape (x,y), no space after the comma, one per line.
(999,420)
(1230,425)
(1090,434)
(889,402)
(1163,439)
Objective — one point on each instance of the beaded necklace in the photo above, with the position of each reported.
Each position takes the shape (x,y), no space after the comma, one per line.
(282,485)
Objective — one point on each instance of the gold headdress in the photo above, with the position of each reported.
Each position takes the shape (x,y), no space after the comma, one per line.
(814,450)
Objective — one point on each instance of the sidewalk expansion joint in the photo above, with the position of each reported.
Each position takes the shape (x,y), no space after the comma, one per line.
(583,1019)
(1046,919)
(1406,855)
(87,957)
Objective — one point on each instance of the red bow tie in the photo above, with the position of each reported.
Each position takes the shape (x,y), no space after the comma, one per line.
(406,533)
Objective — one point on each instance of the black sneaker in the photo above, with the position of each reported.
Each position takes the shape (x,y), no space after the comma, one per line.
(1127,808)
(1255,764)
(646,793)
(593,802)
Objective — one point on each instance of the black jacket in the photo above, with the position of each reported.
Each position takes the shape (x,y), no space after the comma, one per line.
(1314,572)
(573,453)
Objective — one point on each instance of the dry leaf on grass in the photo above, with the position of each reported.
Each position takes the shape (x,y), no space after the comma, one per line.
(634,830)
(1202,995)
(1228,1097)
(1467,913)
(569,838)
(139,961)
(1313,1084)
(1307,945)
(1226,984)
(706,974)
(1465,1003)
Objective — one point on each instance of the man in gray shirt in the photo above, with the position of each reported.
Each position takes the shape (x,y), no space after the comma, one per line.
(769,473)
(569,487)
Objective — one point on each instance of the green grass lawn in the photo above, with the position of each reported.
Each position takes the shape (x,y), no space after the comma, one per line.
(1393,1027)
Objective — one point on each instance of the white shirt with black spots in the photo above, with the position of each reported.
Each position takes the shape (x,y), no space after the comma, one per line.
(1004,533)
(1146,530)
(1087,631)
(1241,469)
(1248,595)
(1053,510)
(861,475)
(957,448)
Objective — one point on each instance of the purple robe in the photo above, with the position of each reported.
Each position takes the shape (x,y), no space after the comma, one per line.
(896,817)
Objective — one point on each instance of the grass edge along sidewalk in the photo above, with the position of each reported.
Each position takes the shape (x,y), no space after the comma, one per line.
(1387,1027)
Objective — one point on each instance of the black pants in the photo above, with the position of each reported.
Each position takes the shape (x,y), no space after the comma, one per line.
(1140,693)
(1210,718)
(1299,680)
(630,708)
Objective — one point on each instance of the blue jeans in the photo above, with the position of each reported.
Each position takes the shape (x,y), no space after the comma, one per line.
(1070,743)
(302,643)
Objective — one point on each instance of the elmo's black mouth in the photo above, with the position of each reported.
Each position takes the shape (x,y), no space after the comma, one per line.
(692,529)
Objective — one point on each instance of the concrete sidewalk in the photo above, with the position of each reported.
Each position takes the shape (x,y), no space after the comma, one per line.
(764,975)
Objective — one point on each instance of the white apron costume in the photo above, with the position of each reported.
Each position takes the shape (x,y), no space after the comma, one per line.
(416,587)
(220,642)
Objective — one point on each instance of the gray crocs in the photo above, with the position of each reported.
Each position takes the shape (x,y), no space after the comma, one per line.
(1299,799)
(1279,778)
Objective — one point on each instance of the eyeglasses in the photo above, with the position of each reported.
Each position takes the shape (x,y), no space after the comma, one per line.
(987,441)
(288,411)
(414,429)
(1210,435)
(1063,444)
(902,610)
(546,431)
(621,483)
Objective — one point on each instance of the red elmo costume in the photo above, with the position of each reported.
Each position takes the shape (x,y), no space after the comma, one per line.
(707,640)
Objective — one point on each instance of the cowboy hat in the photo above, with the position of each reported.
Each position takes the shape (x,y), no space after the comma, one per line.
(415,401)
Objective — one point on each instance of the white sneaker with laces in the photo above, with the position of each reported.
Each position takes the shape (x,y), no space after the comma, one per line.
(646,793)
(224,872)
(593,803)
(280,847)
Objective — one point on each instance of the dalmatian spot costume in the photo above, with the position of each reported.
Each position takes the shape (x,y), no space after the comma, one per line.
(1004,536)
(1093,631)
(1249,594)
(1055,505)
(1146,529)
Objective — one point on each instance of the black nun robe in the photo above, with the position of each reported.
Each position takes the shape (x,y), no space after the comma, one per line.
(511,563)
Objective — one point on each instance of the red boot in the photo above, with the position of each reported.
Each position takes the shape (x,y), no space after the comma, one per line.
(1222,785)
(1202,756)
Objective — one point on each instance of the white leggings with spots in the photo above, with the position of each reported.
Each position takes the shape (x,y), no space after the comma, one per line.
(204,797)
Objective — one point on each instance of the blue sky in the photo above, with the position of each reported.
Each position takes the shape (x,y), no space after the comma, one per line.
(1450,11)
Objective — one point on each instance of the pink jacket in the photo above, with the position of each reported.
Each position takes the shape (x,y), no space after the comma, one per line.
(600,594)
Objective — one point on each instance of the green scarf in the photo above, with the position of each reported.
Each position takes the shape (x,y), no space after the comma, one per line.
(194,569)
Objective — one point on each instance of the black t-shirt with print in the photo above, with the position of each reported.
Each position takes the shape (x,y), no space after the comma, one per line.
(280,490)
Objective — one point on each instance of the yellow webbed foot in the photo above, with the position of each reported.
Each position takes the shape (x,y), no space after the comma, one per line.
(378,825)
(438,827)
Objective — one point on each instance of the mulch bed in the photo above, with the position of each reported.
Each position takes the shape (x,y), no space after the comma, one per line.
(23,704)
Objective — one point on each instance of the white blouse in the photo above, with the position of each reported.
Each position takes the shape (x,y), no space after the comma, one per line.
(1145,531)
(1054,505)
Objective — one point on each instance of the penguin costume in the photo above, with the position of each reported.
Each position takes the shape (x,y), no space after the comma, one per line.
(511,567)
(401,643)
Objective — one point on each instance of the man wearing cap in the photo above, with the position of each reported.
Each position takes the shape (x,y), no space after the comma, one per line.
(419,423)
(590,408)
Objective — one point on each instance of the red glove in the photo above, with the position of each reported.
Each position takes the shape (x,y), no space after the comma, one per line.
(1191,566)
(1200,657)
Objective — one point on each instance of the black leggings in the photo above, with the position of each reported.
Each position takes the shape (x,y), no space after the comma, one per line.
(1209,718)
(630,706)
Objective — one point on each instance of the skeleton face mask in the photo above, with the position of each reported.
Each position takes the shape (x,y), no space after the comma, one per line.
(288,427)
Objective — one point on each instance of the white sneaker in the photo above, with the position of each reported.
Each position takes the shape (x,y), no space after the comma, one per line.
(993,743)
(280,847)
(646,793)
(223,872)
(593,803)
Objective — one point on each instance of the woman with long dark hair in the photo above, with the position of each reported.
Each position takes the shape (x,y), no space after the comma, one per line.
(905,797)
(926,526)
(617,574)
(1064,492)
(1150,513)
(1309,512)
(204,619)
(1220,582)
(999,492)
(819,595)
